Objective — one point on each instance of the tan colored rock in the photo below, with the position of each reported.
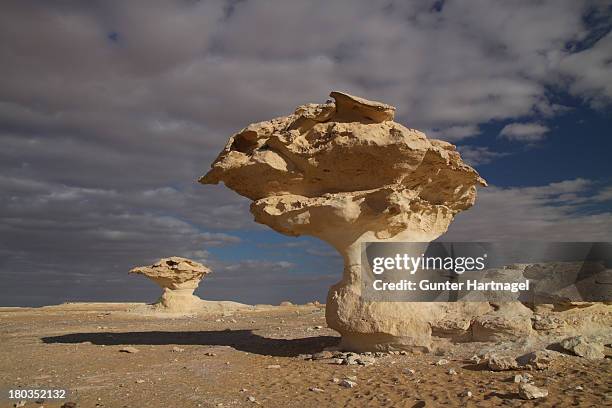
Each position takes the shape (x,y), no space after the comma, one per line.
(530,391)
(346,173)
(582,347)
(178,277)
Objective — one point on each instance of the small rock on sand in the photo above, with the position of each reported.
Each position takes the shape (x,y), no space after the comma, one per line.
(442,361)
(274,366)
(129,349)
(501,363)
(530,391)
(348,383)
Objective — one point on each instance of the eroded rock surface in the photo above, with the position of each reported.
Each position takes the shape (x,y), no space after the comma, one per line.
(178,277)
(346,173)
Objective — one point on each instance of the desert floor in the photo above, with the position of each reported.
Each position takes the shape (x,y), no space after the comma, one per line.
(251,358)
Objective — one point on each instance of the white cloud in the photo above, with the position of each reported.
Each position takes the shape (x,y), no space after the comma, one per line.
(563,211)
(524,132)
(454,133)
(478,155)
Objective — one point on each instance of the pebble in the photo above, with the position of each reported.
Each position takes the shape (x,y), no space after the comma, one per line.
(408,371)
(466,393)
(177,349)
(209,354)
(139,381)
(69,404)
(335,380)
(442,361)
(315,389)
(128,349)
(452,371)
(251,398)
(338,361)
(579,388)
(348,383)
(274,366)
(475,359)
(19,404)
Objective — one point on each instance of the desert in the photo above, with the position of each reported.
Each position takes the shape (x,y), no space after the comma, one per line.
(273,356)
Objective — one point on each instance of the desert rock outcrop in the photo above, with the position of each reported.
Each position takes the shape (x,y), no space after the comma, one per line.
(346,173)
(178,277)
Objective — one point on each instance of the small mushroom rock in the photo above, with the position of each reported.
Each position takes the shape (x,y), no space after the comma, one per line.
(178,277)
(347,173)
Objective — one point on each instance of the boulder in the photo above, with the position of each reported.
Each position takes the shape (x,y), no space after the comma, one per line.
(582,347)
(345,172)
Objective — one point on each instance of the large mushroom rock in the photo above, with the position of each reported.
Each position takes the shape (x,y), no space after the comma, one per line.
(178,277)
(346,173)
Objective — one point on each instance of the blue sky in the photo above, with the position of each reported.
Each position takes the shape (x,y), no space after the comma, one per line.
(111,110)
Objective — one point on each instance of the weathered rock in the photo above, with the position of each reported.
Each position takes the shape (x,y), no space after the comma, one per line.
(501,363)
(348,383)
(178,277)
(346,173)
(129,349)
(530,391)
(580,346)
(538,360)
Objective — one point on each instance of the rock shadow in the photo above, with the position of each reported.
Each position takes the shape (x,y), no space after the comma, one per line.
(244,340)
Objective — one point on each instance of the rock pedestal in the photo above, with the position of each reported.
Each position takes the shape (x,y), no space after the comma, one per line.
(179,278)
(346,173)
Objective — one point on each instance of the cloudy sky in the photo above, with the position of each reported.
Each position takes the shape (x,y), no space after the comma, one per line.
(110,110)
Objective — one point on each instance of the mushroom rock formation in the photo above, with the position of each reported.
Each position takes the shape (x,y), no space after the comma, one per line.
(346,173)
(178,277)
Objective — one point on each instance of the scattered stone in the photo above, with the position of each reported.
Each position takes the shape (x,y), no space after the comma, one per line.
(530,391)
(322,355)
(366,360)
(286,303)
(315,389)
(579,388)
(177,349)
(348,383)
(537,360)
(501,363)
(338,361)
(317,327)
(466,393)
(452,371)
(274,366)
(442,361)
(140,381)
(128,349)
(404,353)
(69,404)
(210,354)
(251,398)
(305,356)
(335,380)
(19,404)
(409,371)
(475,359)
(580,346)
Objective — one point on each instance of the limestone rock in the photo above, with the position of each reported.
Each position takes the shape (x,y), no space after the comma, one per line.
(178,277)
(346,173)
(501,363)
(538,360)
(530,391)
(580,346)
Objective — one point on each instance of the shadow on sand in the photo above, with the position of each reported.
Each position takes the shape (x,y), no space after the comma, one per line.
(244,340)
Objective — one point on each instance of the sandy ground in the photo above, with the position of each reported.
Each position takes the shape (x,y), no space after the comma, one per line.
(233,361)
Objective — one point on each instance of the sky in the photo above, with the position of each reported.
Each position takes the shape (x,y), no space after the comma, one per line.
(111,110)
